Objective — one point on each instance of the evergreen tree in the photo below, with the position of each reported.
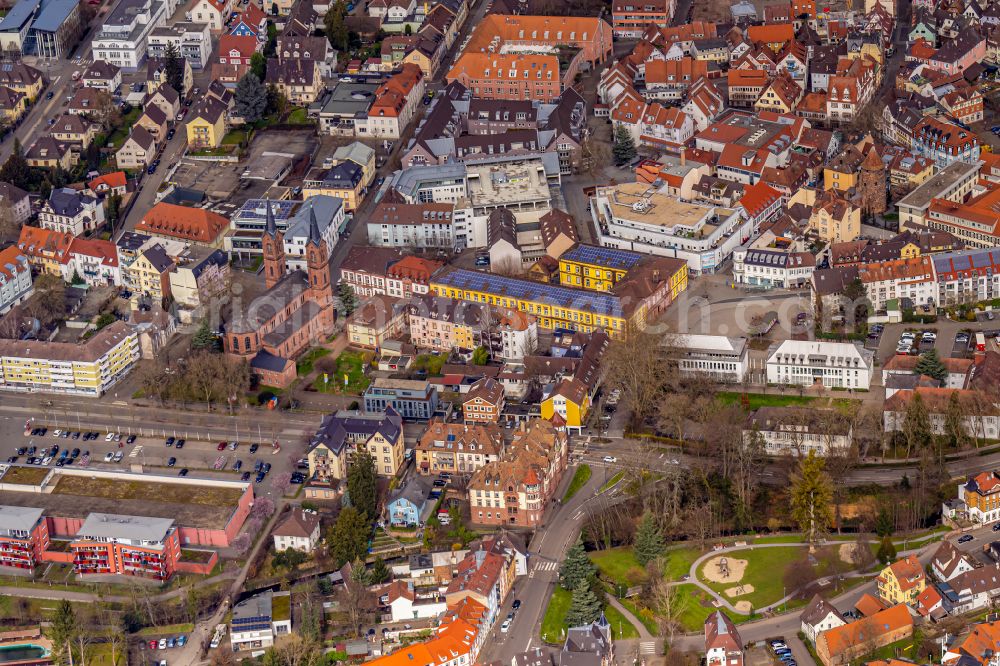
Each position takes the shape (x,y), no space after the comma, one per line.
(954,422)
(930,364)
(16,170)
(576,568)
(886,551)
(883,523)
(204,338)
(174,66)
(917,425)
(480,356)
(362,484)
(623,149)
(347,540)
(258,65)
(648,540)
(113,209)
(250,98)
(360,573)
(348,301)
(811,496)
(62,632)
(585,607)
(336,27)
(379,573)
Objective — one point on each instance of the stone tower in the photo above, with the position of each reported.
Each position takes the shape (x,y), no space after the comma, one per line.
(318,268)
(871,184)
(273,243)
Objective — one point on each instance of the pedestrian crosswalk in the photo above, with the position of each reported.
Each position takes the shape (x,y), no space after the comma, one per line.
(134,453)
(647,647)
(542,565)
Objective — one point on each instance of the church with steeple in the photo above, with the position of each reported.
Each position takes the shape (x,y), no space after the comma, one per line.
(296,311)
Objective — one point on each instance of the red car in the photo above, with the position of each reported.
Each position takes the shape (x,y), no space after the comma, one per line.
(152,645)
(221,446)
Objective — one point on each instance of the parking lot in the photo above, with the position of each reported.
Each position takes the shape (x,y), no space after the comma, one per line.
(947,340)
(43,446)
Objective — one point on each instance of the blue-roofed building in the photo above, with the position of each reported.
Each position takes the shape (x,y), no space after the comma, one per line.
(46,28)
(57,29)
(647,291)
(15,26)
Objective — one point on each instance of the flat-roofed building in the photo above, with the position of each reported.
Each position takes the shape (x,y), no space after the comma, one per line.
(953,183)
(193,42)
(109,543)
(24,535)
(412,398)
(721,358)
(123,37)
(637,217)
(90,368)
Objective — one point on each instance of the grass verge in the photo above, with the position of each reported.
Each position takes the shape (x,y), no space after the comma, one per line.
(580,478)
(554,620)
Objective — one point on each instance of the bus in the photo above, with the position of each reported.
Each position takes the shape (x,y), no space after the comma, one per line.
(980,342)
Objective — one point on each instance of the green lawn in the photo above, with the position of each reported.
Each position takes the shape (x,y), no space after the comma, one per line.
(352,365)
(644,614)
(121,132)
(580,478)
(432,363)
(298,117)
(621,627)
(167,629)
(695,609)
(619,565)
(613,480)
(757,400)
(765,571)
(307,361)
(235,137)
(553,622)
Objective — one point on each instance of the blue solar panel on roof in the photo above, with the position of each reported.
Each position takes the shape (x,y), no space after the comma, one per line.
(604,304)
(603,256)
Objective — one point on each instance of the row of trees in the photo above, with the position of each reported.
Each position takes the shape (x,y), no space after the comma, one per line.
(203,377)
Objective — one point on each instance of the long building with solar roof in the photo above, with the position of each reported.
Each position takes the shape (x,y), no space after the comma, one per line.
(651,286)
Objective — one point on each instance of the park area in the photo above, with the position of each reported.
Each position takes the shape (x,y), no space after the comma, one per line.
(345,375)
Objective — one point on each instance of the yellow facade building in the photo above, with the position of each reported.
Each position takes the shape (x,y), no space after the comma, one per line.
(207,124)
(88,369)
(902,581)
(596,268)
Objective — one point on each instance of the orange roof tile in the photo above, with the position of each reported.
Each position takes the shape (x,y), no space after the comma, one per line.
(193,224)
(44,243)
(890,620)
(772,33)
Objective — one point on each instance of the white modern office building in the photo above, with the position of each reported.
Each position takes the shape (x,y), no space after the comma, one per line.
(636,216)
(193,42)
(845,365)
(124,36)
(718,357)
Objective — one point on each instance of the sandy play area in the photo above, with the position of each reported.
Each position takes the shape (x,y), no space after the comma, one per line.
(739,591)
(713,572)
(846,553)
(743,606)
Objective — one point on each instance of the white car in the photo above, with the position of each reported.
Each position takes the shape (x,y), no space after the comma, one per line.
(162,644)
(929,336)
(56,433)
(505,627)
(610,459)
(110,437)
(46,460)
(908,335)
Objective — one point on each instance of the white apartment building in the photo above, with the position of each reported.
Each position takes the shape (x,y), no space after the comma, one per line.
(435,183)
(797,431)
(71,212)
(967,276)
(637,217)
(773,268)
(412,225)
(901,278)
(257,620)
(123,37)
(718,357)
(192,40)
(15,278)
(809,362)
(329,212)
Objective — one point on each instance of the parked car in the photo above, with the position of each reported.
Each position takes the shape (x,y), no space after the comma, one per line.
(965,538)
(183,472)
(171,462)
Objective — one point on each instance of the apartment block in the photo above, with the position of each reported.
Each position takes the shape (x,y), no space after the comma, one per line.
(24,535)
(110,543)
